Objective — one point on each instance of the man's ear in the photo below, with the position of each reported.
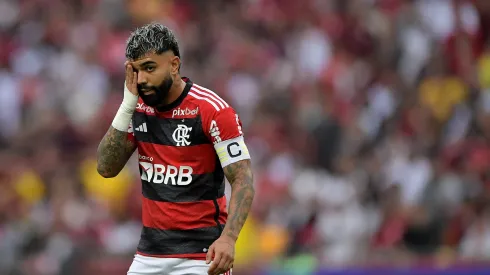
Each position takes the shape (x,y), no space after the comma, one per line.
(175,65)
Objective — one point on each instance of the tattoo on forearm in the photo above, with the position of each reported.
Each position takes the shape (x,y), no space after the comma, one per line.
(240,176)
(114,151)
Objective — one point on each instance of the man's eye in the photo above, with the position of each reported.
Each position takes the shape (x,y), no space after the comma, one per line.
(150,69)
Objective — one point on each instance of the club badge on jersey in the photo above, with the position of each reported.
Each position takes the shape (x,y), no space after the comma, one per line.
(181,135)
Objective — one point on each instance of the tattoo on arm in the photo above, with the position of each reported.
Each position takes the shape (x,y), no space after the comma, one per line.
(114,151)
(240,176)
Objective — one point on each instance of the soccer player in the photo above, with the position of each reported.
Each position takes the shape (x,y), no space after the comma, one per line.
(188,140)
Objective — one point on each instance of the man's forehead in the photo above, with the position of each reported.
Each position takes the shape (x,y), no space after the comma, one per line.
(142,60)
(151,57)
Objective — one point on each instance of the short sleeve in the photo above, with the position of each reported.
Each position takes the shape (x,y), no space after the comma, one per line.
(224,129)
(223,125)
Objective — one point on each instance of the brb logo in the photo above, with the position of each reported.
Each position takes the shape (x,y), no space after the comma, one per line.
(185,112)
(159,173)
(181,135)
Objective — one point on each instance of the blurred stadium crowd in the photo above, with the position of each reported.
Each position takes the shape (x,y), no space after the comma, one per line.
(368,122)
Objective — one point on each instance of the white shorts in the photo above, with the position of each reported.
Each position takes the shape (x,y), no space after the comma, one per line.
(143,265)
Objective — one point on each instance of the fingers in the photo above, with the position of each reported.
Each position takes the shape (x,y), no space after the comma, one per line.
(129,76)
(222,263)
(129,73)
(135,81)
(228,265)
(225,264)
(131,81)
(209,255)
(221,255)
(213,269)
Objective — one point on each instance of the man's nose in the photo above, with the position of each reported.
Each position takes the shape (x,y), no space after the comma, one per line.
(141,79)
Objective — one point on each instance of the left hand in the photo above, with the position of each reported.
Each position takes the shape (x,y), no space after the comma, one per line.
(222,255)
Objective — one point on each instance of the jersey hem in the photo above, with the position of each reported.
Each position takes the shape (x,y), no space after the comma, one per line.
(195,256)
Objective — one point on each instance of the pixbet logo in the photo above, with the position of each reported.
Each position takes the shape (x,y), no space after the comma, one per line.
(159,173)
(143,108)
(185,112)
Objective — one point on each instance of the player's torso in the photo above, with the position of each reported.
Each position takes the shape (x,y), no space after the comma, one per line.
(183,202)
(177,160)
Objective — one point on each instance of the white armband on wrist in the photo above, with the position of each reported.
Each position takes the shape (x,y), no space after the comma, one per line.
(125,113)
(231,151)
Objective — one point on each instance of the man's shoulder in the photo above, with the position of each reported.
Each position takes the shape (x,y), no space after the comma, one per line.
(206,99)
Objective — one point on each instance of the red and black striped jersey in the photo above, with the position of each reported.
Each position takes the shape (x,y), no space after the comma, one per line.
(182,149)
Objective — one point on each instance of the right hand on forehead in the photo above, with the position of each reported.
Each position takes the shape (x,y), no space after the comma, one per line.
(131,79)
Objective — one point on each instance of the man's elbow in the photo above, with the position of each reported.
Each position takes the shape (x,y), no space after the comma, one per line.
(106,173)
(251,182)
(251,189)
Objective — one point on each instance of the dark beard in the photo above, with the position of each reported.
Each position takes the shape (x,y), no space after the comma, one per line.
(161,92)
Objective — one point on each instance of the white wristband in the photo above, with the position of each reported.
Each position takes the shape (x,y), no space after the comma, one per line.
(125,113)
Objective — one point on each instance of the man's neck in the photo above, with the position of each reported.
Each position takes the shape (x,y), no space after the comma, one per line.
(175,91)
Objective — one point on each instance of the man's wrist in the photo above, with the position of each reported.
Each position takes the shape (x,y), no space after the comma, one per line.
(129,101)
(125,113)
(230,235)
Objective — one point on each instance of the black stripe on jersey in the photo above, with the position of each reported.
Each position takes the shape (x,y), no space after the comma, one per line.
(203,187)
(219,176)
(160,130)
(170,242)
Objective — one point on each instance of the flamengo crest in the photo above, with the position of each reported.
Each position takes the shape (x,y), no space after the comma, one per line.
(181,135)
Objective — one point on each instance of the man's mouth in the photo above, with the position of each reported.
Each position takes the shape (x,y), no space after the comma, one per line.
(147,91)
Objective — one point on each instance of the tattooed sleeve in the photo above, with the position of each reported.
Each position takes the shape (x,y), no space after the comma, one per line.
(240,176)
(114,151)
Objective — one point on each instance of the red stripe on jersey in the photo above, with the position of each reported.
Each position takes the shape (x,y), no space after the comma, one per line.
(197,256)
(131,137)
(182,215)
(223,213)
(200,157)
